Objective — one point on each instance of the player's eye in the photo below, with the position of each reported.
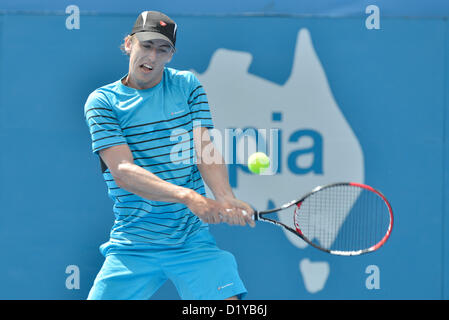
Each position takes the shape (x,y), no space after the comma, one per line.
(163,50)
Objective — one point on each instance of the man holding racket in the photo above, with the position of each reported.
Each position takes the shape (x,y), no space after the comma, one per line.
(138,125)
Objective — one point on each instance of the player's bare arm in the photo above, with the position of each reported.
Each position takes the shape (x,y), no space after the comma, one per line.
(145,184)
(215,174)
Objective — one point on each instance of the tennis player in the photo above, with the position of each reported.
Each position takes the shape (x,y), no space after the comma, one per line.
(149,129)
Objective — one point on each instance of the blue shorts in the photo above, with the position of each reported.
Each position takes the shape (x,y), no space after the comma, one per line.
(198,269)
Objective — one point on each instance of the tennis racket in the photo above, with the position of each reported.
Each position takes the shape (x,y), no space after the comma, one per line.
(343,218)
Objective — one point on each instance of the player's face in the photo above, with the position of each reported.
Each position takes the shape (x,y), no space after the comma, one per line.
(147,60)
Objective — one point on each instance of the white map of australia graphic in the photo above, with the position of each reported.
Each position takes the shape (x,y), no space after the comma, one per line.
(242,100)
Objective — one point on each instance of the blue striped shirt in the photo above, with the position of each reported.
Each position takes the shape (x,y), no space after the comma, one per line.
(157,124)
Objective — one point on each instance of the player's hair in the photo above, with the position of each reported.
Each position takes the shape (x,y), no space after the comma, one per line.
(122,46)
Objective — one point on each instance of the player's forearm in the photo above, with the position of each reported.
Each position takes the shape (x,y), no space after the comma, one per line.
(216,177)
(211,164)
(145,184)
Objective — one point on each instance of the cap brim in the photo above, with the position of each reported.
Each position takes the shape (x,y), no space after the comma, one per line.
(147,35)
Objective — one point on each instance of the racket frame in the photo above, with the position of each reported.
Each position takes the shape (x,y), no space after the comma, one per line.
(259,215)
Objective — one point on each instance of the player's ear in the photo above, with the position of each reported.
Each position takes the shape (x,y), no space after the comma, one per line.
(128,44)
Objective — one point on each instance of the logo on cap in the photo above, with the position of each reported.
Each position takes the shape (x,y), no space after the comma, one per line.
(149,23)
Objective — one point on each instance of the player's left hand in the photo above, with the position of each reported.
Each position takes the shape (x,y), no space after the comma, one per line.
(236,211)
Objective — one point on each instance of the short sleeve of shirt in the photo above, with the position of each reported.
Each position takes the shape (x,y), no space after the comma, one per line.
(198,103)
(104,127)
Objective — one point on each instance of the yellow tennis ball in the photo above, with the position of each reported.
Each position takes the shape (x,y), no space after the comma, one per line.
(258,162)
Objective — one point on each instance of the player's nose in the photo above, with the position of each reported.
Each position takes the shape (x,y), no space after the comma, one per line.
(152,54)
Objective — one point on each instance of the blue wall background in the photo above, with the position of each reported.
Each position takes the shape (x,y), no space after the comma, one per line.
(391,85)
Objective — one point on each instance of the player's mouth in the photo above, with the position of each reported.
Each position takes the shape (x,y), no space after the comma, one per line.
(146,68)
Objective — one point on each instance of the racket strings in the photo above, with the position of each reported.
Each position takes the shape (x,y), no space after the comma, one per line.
(343,218)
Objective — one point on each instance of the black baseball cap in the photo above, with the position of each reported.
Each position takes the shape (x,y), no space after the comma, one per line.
(152,25)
